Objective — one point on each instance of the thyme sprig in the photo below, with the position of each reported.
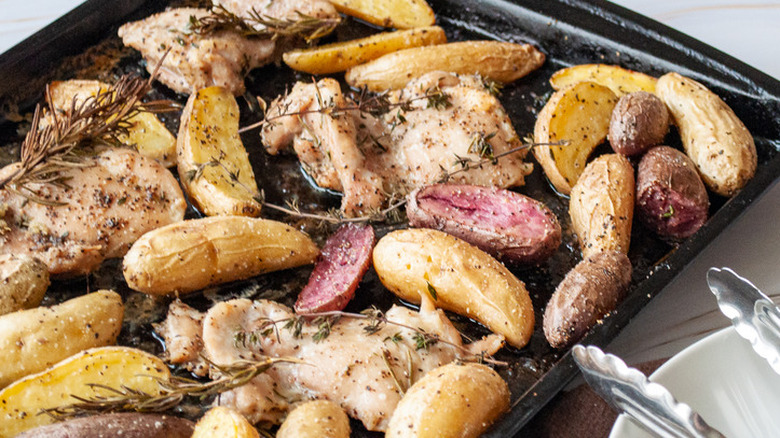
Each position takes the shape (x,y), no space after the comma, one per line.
(172,391)
(57,146)
(263,26)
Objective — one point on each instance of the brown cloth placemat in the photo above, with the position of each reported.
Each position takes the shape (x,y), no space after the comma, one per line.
(579,413)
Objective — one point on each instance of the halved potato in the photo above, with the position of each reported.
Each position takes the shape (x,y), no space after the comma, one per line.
(332,58)
(400,14)
(116,367)
(620,80)
(213,164)
(149,135)
(496,60)
(579,115)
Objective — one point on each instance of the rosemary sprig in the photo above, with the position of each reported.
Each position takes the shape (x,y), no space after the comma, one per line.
(172,391)
(101,119)
(263,26)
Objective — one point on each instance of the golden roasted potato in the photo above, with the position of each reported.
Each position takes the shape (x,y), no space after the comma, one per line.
(579,115)
(194,254)
(602,205)
(223,422)
(31,340)
(620,80)
(149,135)
(495,60)
(115,367)
(213,164)
(23,282)
(452,401)
(400,14)
(713,136)
(336,57)
(315,419)
(418,263)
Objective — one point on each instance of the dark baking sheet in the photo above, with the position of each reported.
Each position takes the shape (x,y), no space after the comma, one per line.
(570,32)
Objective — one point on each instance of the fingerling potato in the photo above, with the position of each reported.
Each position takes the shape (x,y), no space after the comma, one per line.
(713,136)
(578,115)
(223,422)
(197,253)
(451,401)
(620,80)
(495,60)
(124,425)
(401,14)
(639,121)
(31,340)
(418,264)
(602,205)
(315,419)
(23,282)
(337,57)
(212,162)
(115,367)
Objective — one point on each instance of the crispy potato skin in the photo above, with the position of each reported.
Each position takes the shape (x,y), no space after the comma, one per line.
(126,425)
(495,60)
(602,205)
(194,254)
(714,138)
(209,129)
(341,56)
(671,198)
(23,282)
(21,401)
(620,80)
(505,224)
(31,340)
(578,114)
(639,121)
(451,401)
(465,279)
(315,419)
(588,292)
(223,422)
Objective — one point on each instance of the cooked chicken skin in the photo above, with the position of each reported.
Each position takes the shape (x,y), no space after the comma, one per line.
(195,61)
(279,9)
(361,372)
(366,157)
(118,196)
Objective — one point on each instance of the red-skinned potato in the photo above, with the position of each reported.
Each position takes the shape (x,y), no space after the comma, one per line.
(125,425)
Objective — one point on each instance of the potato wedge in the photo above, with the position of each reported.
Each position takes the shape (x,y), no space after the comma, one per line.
(400,14)
(419,263)
(578,114)
(602,205)
(213,164)
(149,135)
(194,254)
(31,340)
(714,138)
(451,401)
(620,80)
(23,282)
(494,60)
(336,57)
(115,367)
(223,422)
(315,419)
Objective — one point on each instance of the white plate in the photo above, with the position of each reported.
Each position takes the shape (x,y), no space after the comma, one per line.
(723,379)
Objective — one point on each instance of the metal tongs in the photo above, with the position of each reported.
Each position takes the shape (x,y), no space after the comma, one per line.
(629,391)
(753,314)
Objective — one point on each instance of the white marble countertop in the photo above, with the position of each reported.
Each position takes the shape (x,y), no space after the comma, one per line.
(685,310)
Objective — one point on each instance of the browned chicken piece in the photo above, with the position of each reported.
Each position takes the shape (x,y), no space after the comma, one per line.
(115,198)
(195,61)
(435,123)
(279,9)
(364,373)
